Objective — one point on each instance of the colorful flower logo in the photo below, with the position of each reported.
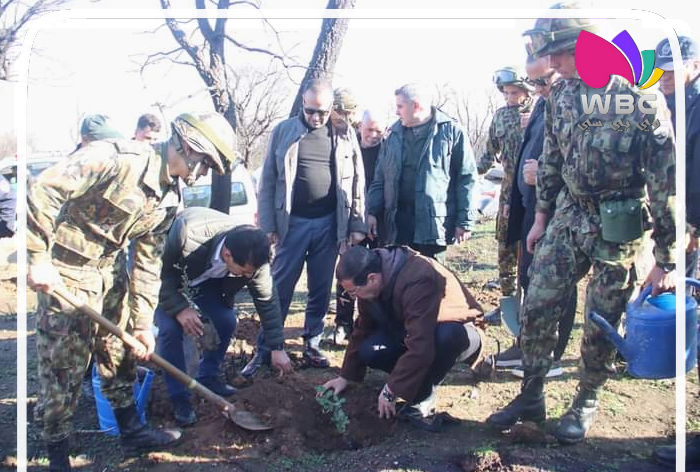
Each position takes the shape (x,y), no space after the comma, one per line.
(597,59)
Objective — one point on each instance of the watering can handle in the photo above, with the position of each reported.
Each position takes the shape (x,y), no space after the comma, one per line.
(694,282)
(647,290)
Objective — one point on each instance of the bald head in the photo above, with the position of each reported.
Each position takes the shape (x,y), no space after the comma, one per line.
(317,101)
(541,75)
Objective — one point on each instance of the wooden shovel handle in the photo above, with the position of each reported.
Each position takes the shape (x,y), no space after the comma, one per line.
(64,295)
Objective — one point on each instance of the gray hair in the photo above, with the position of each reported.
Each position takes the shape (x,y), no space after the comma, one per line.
(417,93)
(374,115)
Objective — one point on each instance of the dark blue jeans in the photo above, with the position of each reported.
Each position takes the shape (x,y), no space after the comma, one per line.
(311,241)
(380,350)
(170,335)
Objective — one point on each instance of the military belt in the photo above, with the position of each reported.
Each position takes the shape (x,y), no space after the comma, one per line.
(592,204)
(73,258)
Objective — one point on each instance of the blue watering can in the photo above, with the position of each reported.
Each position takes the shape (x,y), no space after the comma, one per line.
(105,414)
(650,330)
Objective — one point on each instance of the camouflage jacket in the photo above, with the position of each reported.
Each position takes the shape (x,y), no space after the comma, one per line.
(603,164)
(89,206)
(505,137)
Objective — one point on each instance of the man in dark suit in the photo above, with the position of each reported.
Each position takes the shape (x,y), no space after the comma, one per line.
(522,210)
(208,258)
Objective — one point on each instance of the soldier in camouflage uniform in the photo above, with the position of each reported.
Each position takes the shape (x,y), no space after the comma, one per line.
(588,174)
(80,215)
(505,137)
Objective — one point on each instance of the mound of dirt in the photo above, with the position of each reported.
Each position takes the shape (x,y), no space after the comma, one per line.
(289,405)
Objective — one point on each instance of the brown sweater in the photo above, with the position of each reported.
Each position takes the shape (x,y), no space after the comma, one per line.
(426,293)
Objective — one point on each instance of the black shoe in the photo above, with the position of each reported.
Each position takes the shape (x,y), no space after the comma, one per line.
(58,456)
(576,422)
(665,455)
(527,406)
(137,437)
(493,317)
(217,386)
(184,413)
(312,355)
(252,367)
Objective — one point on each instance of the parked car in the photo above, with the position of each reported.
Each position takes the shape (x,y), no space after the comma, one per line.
(244,202)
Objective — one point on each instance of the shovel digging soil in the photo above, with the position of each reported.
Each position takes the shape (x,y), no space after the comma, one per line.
(242,418)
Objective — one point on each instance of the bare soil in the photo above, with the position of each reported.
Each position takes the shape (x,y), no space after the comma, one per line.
(635,415)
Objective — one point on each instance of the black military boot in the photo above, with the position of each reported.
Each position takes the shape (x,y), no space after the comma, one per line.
(527,406)
(576,422)
(58,456)
(137,437)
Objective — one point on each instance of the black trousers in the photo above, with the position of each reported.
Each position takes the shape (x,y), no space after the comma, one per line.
(380,350)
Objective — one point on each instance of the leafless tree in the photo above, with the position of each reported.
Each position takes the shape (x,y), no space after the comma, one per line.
(260,97)
(327,50)
(473,114)
(203,47)
(14,16)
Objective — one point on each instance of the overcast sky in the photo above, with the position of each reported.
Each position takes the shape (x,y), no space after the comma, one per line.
(92,66)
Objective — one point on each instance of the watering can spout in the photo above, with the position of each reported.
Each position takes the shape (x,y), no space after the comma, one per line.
(610,333)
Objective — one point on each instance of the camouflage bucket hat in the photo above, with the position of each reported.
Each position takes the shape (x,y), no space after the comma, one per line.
(344,100)
(210,134)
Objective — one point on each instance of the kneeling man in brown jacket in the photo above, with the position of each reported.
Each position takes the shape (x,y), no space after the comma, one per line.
(416,320)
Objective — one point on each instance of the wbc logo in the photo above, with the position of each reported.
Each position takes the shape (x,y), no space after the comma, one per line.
(598,59)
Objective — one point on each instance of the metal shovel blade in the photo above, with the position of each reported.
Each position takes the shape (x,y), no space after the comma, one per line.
(247,420)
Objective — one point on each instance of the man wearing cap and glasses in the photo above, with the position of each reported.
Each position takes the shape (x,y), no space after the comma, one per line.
(690,55)
(311,203)
(505,136)
(597,193)
(81,213)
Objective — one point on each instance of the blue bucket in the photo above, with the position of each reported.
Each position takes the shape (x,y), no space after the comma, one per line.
(105,415)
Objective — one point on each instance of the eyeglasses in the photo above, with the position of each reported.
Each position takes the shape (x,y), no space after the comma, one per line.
(542,81)
(314,111)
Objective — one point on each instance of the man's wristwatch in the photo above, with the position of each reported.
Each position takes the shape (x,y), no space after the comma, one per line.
(667,268)
(387,395)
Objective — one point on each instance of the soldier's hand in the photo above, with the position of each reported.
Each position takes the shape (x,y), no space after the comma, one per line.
(371,227)
(535,234)
(43,277)
(280,360)
(462,235)
(149,343)
(190,322)
(660,280)
(530,172)
(524,120)
(506,211)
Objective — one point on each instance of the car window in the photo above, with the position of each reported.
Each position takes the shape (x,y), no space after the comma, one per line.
(200,195)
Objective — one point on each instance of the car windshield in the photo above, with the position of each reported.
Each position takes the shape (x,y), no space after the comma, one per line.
(200,195)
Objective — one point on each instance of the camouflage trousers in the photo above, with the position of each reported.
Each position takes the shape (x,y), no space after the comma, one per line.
(507,254)
(572,245)
(65,340)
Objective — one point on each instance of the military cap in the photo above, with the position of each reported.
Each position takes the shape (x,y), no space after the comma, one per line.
(689,52)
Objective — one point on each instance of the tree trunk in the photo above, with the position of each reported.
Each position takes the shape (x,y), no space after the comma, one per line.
(327,49)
